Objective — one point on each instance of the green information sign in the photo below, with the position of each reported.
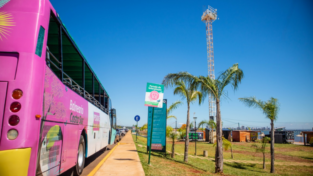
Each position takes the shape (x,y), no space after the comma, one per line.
(154,95)
(159,128)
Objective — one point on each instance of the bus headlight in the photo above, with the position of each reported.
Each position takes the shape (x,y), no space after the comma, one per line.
(12,134)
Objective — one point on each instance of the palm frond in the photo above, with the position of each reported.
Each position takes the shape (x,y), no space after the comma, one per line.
(181,91)
(232,75)
(208,86)
(203,122)
(275,107)
(269,108)
(196,95)
(252,102)
(172,78)
(212,124)
(171,116)
(173,106)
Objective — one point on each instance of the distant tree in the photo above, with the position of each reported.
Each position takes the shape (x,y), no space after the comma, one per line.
(183,126)
(191,125)
(261,148)
(171,108)
(182,133)
(173,135)
(270,109)
(145,126)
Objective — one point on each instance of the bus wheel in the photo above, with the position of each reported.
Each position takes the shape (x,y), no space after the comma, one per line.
(78,169)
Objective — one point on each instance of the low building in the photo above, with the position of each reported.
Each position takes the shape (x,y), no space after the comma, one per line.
(283,136)
(210,136)
(241,136)
(307,136)
(244,136)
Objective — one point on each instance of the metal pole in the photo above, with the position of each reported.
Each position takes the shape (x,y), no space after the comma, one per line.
(136,131)
(176,125)
(151,136)
(196,137)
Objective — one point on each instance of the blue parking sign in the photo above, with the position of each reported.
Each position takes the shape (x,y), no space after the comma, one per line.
(137,118)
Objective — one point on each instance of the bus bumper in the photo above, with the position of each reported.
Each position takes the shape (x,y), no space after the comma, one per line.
(14,162)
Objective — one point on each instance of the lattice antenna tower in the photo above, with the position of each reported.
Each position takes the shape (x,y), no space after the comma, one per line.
(208,17)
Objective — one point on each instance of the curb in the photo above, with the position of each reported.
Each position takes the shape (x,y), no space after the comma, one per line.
(93,172)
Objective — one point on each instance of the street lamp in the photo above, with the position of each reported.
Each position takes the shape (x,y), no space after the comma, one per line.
(195,135)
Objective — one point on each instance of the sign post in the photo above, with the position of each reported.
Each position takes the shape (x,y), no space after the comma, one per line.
(137,118)
(154,98)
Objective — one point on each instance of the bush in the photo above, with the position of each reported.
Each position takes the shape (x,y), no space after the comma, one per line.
(311,141)
(169,129)
(182,133)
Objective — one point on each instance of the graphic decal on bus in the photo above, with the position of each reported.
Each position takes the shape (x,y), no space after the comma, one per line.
(96,121)
(6,23)
(61,103)
(50,150)
(53,91)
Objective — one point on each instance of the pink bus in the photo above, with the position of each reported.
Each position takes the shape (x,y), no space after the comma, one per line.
(54,112)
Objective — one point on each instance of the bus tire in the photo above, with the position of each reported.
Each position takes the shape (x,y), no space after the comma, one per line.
(78,169)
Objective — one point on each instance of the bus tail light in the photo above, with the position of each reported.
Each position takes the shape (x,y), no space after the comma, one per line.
(12,134)
(15,106)
(14,120)
(17,94)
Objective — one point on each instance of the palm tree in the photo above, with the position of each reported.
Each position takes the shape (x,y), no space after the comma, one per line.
(191,94)
(270,109)
(215,88)
(171,108)
(261,148)
(173,135)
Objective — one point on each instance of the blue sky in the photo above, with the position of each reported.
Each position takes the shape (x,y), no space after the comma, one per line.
(130,43)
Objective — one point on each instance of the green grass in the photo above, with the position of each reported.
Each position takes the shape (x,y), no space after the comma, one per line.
(164,165)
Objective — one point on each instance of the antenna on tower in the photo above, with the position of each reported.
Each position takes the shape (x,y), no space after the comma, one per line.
(208,17)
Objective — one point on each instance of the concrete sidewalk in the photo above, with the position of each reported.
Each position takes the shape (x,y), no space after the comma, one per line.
(123,161)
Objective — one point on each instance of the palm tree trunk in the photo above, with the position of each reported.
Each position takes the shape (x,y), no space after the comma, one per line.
(264,166)
(272,147)
(219,142)
(187,135)
(173,148)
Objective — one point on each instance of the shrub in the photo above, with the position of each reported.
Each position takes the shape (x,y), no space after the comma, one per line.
(311,141)
(169,129)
